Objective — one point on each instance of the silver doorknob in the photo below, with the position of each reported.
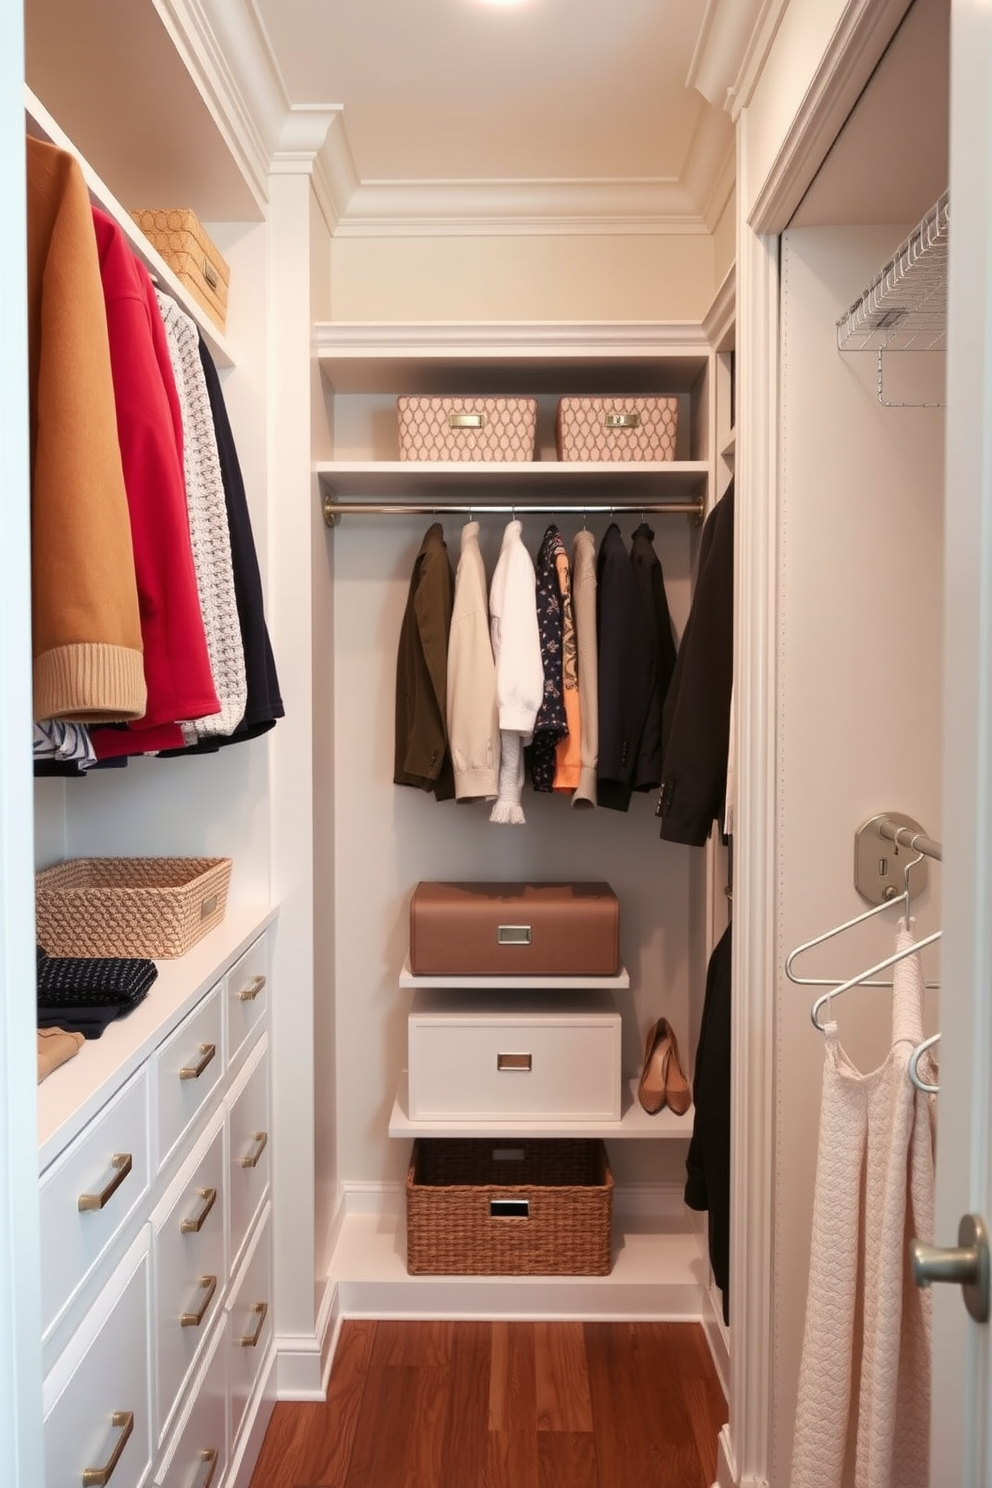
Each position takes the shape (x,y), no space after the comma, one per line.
(967,1264)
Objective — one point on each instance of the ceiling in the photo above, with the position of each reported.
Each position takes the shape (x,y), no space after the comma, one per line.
(542,115)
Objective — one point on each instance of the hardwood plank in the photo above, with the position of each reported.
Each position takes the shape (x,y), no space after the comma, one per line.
(424,1344)
(643,1434)
(561,1378)
(466,1428)
(567,1459)
(512,1397)
(511,1460)
(707,1413)
(385,1423)
(284,1460)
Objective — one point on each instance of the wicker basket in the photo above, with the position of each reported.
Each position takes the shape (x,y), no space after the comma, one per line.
(191,253)
(156,907)
(529,1208)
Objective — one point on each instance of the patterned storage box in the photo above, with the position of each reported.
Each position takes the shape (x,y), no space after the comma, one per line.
(534,1207)
(466,428)
(194,258)
(156,907)
(635,428)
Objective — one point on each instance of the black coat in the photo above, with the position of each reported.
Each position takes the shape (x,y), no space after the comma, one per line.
(625,671)
(696,727)
(707,1163)
(658,623)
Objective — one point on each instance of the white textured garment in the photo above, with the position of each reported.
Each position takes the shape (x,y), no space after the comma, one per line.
(473,718)
(863,1412)
(209,531)
(519,668)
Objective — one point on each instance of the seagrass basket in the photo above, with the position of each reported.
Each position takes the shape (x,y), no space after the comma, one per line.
(539,1207)
(155,907)
(191,253)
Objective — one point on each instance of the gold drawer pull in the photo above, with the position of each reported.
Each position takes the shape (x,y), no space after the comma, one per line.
(96,1477)
(194,1071)
(466,420)
(210,273)
(249,993)
(122,1162)
(209,1454)
(513,1062)
(195,1225)
(513,935)
(622,421)
(194,1319)
(252,1162)
(249,1340)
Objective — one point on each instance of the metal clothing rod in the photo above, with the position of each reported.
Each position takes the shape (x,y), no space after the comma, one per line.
(906,837)
(333,510)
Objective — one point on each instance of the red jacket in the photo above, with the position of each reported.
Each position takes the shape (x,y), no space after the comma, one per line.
(149,427)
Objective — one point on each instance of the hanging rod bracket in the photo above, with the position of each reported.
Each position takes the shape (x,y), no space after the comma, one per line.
(883,846)
(331,515)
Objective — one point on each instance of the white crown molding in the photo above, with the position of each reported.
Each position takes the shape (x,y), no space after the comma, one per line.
(719,319)
(860,38)
(708,172)
(436,339)
(726,31)
(763,33)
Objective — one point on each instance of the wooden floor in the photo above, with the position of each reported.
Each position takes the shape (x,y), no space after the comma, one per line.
(504,1405)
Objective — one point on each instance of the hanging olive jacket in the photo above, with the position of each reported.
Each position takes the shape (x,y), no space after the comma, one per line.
(422,757)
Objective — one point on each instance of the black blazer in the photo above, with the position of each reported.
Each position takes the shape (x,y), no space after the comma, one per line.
(696,726)
(658,627)
(625,671)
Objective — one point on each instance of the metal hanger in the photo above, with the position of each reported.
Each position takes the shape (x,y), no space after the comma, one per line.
(915,1078)
(808,945)
(862,979)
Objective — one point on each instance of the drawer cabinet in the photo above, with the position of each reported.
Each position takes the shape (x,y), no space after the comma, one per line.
(248,1124)
(188,1068)
(97,1400)
(188,1244)
(90,1193)
(519,1056)
(156,1265)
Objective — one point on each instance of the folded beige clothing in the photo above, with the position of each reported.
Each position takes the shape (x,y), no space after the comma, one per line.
(55,1046)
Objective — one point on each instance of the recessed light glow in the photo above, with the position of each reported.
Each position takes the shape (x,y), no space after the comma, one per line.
(503,2)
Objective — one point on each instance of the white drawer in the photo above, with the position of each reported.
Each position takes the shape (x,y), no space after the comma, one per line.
(89,1192)
(188,1067)
(198,1452)
(250,1149)
(515,1055)
(249,1323)
(190,1267)
(96,1401)
(247,997)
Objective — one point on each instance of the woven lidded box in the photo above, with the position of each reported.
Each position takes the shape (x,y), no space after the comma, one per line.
(540,1207)
(482,428)
(636,428)
(191,253)
(156,907)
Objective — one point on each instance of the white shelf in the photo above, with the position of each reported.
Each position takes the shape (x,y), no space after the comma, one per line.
(634,1122)
(517,983)
(517,480)
(74,1092)
(658,1272)
(41,125)
(904,308)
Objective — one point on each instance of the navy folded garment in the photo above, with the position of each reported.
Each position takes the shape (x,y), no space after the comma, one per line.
(89,1021)
(93,981)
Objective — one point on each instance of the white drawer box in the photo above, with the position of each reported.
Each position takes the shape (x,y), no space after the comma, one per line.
(249,1147)
(88,1194)
(188,1068)
(190,1257)
(249,1323)
(522,1056)
(96,1401)
(197,1454)
(247,997)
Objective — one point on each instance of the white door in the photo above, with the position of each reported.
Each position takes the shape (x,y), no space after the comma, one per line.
(961,1455)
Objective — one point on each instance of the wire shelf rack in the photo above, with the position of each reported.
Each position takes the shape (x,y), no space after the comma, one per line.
(905,306)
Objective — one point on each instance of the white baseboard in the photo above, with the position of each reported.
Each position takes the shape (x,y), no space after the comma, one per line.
(726,1462)
(299,1372)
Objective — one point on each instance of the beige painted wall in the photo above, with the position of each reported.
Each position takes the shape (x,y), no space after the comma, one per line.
(623,277)
(725,241)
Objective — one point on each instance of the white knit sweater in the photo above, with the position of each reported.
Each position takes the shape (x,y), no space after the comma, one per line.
(863,1414)
(519,668)
(208,529)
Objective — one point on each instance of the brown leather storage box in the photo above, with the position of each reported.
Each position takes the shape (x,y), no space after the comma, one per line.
(514,929)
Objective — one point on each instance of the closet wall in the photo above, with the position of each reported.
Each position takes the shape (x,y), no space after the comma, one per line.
(859,626)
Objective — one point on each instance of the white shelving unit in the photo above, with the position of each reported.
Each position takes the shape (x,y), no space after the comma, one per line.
(513,983)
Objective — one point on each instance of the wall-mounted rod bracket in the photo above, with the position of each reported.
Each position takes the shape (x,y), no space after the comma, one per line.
(884,846)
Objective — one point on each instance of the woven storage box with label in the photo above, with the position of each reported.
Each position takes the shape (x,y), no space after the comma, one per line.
(506,1208)
(156,907)
(636,428)
(194,258)
(466,428)
(514,929)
